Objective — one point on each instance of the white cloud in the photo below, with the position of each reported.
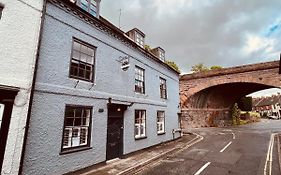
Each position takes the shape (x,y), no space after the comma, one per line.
(255,43)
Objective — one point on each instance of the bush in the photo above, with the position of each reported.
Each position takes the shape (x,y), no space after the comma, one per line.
(235,112)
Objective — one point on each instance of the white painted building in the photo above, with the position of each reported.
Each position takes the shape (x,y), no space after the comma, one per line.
(19,33)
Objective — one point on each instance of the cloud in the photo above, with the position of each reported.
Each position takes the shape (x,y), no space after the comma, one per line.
(214,32)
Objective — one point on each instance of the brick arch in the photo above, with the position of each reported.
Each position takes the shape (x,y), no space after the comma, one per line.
(223,95)
(212,93)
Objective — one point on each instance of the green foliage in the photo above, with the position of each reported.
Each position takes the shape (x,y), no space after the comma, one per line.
(235,113)
(215,67)
(200,67)
(173,65)
(245,103)
(147,47)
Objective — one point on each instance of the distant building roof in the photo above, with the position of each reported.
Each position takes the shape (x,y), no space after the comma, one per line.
(266,101)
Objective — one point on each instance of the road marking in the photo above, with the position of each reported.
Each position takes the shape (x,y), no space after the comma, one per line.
(225,147)
(202,168)
(233,135)
(268,162)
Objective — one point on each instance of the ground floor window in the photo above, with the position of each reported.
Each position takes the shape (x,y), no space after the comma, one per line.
(160,122)
(76,130)
(140,127)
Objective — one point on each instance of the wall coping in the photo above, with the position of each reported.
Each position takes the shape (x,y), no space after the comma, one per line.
(231,70)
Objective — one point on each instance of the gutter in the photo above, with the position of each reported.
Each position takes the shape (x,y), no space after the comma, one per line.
(33,86)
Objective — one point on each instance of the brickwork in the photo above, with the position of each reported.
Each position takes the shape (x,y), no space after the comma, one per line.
(210,91)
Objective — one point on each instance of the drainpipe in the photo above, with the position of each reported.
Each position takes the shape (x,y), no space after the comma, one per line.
(33,85)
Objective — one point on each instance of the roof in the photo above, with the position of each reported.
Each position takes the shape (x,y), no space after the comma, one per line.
(107,27)
(267,101)
(136,29)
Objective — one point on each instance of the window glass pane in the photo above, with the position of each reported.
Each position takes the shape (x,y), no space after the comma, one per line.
(75,55)
(76,46)
(83,57)
(84,49)
(69,121)
(67,138)
(83,136)
(90,59)
(69,112)
(94,2)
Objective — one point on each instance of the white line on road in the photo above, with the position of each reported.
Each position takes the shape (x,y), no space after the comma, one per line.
(268,162)
(202,168)
(225,147)
(233,135)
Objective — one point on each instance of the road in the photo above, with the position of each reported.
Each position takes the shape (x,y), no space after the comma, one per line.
(244,150)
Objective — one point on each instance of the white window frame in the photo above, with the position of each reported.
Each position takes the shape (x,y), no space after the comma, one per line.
(139,39)
(139,80)
(160,122)
(140,124)
(162,56)
(163,88)
(76,141)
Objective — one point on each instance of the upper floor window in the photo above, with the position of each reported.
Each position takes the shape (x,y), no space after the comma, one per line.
(91,6)
(163,88)
(139,80)
(139,40)
(76,131)
(140,124)
(82,61)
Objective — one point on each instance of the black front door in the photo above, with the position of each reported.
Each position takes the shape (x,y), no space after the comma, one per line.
(6,105)
(114,147)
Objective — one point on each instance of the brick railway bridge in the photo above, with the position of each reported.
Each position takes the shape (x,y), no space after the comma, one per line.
(207,97)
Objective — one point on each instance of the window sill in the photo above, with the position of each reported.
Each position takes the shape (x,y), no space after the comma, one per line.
(140,138)
(161,133)
(73,150)
(81,79)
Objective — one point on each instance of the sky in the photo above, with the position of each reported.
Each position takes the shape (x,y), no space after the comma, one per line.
(213,32)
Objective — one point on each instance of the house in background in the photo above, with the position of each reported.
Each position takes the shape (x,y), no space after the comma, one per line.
(268,106)
(98,95)
(20,22)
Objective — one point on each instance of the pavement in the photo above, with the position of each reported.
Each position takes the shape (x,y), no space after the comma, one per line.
(134,162)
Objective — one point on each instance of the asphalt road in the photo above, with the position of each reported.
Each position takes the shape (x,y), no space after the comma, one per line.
(241,150)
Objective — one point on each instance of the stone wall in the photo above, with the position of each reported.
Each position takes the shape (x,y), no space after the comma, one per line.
(194,118)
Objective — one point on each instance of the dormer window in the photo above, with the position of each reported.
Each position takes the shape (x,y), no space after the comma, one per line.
(91,6)
(139,40)
(159,53)
(137,36)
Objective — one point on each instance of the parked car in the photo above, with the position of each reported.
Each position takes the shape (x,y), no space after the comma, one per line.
(273,117)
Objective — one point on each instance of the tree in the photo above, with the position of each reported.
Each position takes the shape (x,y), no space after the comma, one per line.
(200,67)
(215,67)
(235,112)
(173,65)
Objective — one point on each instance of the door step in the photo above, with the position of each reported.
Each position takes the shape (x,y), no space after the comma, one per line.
(112,160)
